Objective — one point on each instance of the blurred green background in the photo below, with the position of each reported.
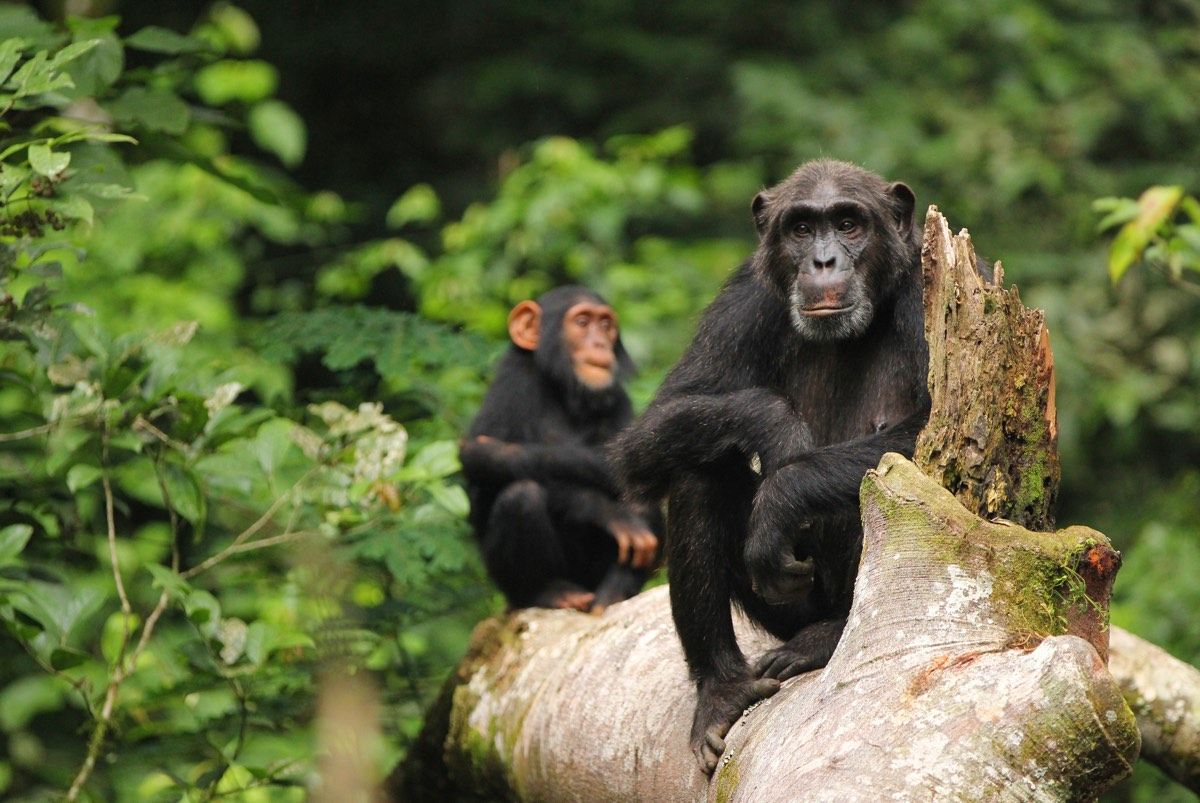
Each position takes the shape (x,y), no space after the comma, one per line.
(346,198)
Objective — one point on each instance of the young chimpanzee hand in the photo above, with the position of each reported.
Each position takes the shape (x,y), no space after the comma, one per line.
(637,546)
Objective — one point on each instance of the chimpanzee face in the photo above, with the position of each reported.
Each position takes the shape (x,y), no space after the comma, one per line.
(833,240)
(589,333)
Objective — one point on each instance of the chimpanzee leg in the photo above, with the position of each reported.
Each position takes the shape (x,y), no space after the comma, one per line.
(812,623)
(524,552)
(620,583)
(705,528)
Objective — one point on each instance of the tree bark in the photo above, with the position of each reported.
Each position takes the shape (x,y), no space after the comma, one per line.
(972,667)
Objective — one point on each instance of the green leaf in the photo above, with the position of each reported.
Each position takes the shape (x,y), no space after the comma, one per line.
(245,81)
(272,443)
(169,580)
(98,68)
(20,20)
(260,637)
(35,67)
(72,52)
(418,205)
(67,658)
(119,628)
(203,610)
(13,539)
(155,39)
(278,129)
(153,109)
(77,208)
(81,476)
(1191,208)
(1155,207)
(452,497)
(186,496)
(10,54)
(236,27)
(437,459)
(48,162)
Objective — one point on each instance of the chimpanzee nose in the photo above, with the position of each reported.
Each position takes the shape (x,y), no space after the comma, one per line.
(821,264)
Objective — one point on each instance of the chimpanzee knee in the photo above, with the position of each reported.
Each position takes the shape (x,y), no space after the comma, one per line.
(521,548)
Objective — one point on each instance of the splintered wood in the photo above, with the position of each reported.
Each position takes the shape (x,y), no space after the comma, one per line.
(992,436)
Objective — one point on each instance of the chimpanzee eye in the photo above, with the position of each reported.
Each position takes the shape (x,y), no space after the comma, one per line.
(847,225)
(581,321)
(802,230)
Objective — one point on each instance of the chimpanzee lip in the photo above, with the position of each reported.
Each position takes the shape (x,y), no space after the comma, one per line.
(822,312)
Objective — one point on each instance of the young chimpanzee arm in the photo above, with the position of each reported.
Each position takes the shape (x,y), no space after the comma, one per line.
(489,461)
(637,546)
(812,484)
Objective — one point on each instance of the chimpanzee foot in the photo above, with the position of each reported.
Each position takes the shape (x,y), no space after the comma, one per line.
(719,706)
(809,649)
(565,595)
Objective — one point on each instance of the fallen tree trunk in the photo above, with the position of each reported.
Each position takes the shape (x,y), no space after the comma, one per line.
(947,682)
(972,666)
(1164,694)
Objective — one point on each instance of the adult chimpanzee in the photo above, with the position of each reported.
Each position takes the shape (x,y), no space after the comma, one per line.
(807,367)
(544,503)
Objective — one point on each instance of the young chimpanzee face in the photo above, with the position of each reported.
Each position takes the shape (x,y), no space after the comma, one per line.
(590,333)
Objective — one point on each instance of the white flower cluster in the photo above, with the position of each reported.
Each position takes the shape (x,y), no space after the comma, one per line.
(379,440)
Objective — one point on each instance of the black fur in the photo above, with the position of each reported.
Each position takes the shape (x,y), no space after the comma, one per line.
(542,492)
(813,400)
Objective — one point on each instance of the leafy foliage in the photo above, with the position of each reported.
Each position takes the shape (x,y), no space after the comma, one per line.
(268,382)
(178,561)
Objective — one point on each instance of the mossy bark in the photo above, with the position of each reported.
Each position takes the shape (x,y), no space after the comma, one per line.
(992,441)
(992,434)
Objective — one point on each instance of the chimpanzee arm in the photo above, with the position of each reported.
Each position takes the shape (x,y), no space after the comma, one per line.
(688,433)
(494,462)
(813,483)
(636,543)
(717,404)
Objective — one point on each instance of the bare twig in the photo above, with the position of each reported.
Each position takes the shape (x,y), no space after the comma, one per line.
(25,433)
(239,543)
(237,549)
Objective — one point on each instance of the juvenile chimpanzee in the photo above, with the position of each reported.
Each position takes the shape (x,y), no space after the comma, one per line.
(806,369)
(544,502)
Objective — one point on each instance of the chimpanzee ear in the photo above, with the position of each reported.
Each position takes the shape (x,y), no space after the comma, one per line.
(759,208)
(903,204)
(525,325)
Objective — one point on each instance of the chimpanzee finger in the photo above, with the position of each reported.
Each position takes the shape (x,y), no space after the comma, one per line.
(792,670)
(772,665)
(623,545)
(646,545)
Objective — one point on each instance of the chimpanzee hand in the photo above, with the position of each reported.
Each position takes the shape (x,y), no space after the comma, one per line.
(719,705)
(777,552)
(809,649)
(637,546)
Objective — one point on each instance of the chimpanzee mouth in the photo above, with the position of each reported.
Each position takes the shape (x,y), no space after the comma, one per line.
(824,312)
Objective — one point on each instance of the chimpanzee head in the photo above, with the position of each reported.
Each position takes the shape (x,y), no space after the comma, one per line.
(835,241)
(576,345)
